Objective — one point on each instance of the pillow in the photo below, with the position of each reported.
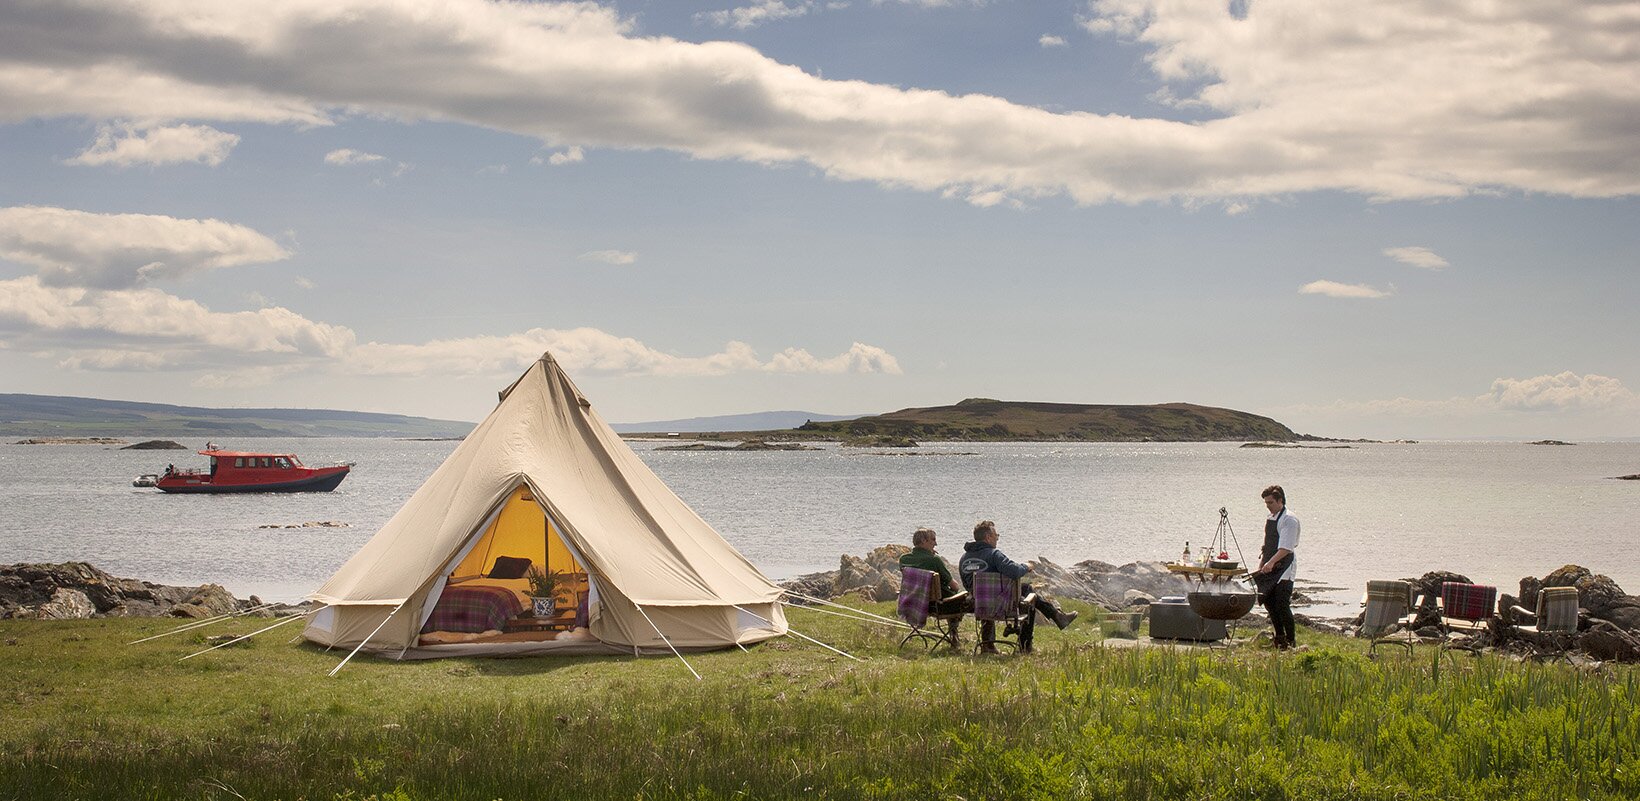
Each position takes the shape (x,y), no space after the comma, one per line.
(509,567)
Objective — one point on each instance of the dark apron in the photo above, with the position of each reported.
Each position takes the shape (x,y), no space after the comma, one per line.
(1272,543)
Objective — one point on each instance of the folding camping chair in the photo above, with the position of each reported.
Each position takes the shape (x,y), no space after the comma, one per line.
(919,602)
(1467,609)
(1390,612)
(996,600)
(1557,613)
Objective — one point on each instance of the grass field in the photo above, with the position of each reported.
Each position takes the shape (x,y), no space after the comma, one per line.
(86,716)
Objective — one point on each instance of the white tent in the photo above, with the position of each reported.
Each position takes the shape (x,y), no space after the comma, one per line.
(544,478)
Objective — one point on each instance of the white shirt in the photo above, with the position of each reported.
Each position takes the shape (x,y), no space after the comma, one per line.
(1287,537)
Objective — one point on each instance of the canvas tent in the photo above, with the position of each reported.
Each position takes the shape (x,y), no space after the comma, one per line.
(544,478)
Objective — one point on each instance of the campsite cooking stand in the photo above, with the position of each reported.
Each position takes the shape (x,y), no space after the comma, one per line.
(1217,595)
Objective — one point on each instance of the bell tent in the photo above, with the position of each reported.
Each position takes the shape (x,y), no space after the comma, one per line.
(543,489)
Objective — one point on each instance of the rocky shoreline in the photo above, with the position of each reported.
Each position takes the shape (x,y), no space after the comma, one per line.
(1608,628)
(1608,625)
(79,591)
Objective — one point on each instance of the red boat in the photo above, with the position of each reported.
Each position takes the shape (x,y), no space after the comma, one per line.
(238,471)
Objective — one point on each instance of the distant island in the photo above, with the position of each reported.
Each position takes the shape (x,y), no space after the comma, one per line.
(58,416)
(986,419)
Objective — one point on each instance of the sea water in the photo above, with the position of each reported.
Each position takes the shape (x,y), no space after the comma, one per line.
(1492,511)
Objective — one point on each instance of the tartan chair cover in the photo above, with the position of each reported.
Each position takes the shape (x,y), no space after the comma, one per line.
(1557,609)
(916,594)
(996,597)
(1388,602)
(1468,601)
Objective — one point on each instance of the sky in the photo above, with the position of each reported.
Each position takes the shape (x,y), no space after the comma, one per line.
(1418,222)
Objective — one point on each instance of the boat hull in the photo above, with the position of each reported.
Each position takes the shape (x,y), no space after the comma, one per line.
(321,481)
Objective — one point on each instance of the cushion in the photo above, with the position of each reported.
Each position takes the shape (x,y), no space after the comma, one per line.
(1387,603)
(1468,601)
(1557,609)
(916,594)
(509,567)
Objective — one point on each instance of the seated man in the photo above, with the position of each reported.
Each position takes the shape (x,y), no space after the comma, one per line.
(922,556)
(981,556)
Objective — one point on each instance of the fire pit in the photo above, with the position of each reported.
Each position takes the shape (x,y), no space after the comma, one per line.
(1222,605)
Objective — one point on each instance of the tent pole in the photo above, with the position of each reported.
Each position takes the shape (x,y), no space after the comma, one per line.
(850,617)
(663,639)
(197,624)
(338,668)
(250,635)
(790,630)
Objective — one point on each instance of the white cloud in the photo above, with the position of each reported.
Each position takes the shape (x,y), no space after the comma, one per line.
(569,156)
(1301,95)
(348,157)
(1049,40)
(493,169)
(1563,392)
(756,14)
(610,256)
(1417,257)
(1560,392)
(304,283)
(150,324)
(1334,289)
(129,145)
(79,248)
(146,329)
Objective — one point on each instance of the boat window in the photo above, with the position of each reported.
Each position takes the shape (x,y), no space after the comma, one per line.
(239,461)
(279,462)
(295,460)
(264,461)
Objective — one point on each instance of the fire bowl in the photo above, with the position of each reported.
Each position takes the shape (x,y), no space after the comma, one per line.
(1222,605)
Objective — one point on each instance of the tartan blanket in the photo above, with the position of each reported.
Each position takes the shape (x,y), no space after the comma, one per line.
(1388,602)
(996,597)
(473,609)
(1468,601)
(1557,609)
(916,594)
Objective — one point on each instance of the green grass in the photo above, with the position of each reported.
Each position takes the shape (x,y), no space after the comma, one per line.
(86,716)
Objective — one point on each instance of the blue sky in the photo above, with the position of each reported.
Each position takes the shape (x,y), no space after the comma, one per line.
(1419,225)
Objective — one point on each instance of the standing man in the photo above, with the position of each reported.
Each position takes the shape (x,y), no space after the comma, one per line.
(1278,565)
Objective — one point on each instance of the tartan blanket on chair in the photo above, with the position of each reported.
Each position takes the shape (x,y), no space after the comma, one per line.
(473,609)
(916,594)
(1387,603)
(996,597)
(1557,609)
(1468,601)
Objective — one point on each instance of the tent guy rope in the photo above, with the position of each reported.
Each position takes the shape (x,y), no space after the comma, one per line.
(792,631)
(250,635)
(199,624)
(668,642)
(338,668)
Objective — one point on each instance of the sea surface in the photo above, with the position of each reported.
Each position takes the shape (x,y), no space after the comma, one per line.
(1492,511)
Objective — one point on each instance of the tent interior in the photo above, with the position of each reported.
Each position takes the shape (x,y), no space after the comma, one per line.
(488,595)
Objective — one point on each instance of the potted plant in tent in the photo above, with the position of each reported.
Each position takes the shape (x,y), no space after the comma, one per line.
(547,589)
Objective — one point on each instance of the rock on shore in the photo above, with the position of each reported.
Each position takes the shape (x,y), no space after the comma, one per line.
(78,590)
(876,577)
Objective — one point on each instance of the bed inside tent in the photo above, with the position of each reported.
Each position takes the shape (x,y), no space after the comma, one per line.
(488,596)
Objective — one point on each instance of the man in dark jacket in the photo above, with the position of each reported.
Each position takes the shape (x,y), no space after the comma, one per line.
(982,556)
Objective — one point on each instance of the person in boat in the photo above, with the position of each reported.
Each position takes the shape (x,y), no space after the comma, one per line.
(922,555)
(982,556)
(1278,566)
(170,468)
